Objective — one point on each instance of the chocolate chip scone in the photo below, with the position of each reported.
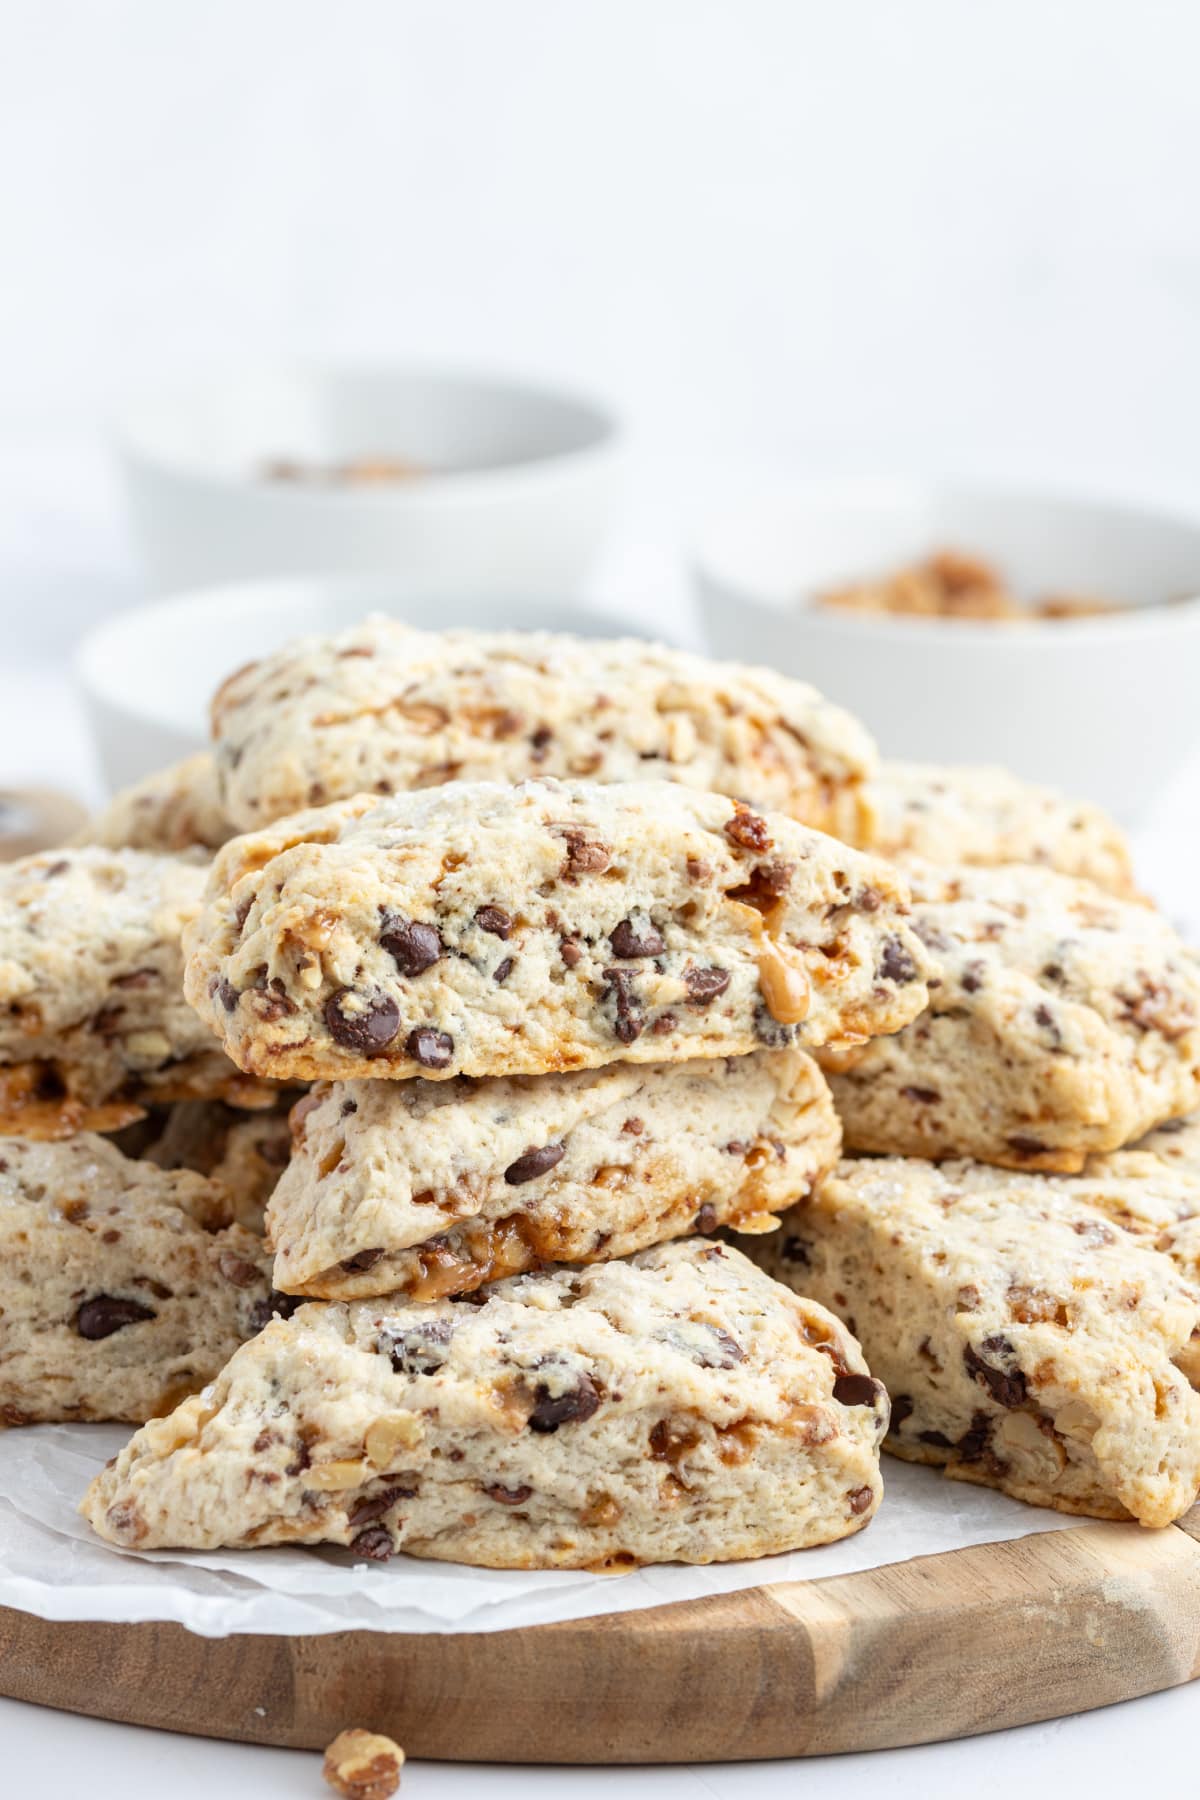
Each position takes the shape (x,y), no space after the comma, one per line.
(384,709)
(1027,1342)
(984,817)
(244,1153)
(482,930)
(433,1187)
(1064,1022)
(173,810)
(122,1287)
(93,1022)
(1174,1145)
(676,1407)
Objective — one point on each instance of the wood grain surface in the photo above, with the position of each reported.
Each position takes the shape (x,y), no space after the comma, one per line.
(940,1647)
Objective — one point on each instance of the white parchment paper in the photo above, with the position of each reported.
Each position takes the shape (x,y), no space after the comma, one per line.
(52,1565)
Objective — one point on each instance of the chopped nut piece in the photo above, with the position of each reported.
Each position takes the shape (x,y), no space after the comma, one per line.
(363,1765)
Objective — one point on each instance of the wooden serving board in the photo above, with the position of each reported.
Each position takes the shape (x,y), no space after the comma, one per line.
(940,1647)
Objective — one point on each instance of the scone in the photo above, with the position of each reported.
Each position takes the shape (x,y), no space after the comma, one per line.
(984,816)
(244,1152)
(384,709)
(1064,1022)
(484,930)
(676,1407)
(93,1022)
(1174,1145)
(429,1188)
(174,810)
(122,1287)
(1026,1341)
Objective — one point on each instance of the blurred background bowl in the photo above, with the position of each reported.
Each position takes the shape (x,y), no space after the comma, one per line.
(510,488)
(1102,707)
(148,675)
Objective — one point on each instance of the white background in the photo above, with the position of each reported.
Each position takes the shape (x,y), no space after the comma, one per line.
(897,235)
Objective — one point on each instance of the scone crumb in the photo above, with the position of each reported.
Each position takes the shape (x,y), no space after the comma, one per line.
(363,1765)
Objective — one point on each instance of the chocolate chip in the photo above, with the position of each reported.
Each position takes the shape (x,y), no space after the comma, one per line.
(540,738)
(272,1003)
(493,919)
(868,900)
(274,1306)
(974,1441)
(432,1049)
(857,1390)
(630,939)
(347,1107)
(226,993)
(361,1022)
(698,870)
(860,1499)
(896,964)
(901,1409)
(726,1352)
(585,855)
(1007,1388)
(534,1162)
(1094,1231)
(507,1496)
(972,978)
(795,1250)
(365,1259)
(706,1219)
(631,1020)
(937,1439)
(748,831)
(664,1023)
(373,1506)
(552,1410)
(571,952)
(413,946)
(136,978)
(770,1032)
(236,1270)
(375,1543)
(502,971)
(922,1095)
(773,879)
(1043,1017)
(419,1349)
(100,1317)
(703,985)
(1024,1145)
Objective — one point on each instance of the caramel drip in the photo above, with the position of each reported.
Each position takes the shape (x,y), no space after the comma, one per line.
(784,982)
(782,974)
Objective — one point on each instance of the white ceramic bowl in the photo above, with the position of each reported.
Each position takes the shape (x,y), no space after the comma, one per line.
(148,675)
(516,491)
(1104,708)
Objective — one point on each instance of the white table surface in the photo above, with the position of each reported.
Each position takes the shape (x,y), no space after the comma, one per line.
(56,1756)
(61,562)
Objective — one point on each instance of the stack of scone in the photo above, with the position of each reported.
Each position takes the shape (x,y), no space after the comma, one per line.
(551,1028)
(583,957)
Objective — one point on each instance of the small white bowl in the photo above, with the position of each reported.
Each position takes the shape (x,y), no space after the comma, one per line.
(513,492)
(148,675)
(1104,708)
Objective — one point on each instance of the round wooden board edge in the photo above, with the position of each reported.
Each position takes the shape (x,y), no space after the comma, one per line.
(944,1646)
